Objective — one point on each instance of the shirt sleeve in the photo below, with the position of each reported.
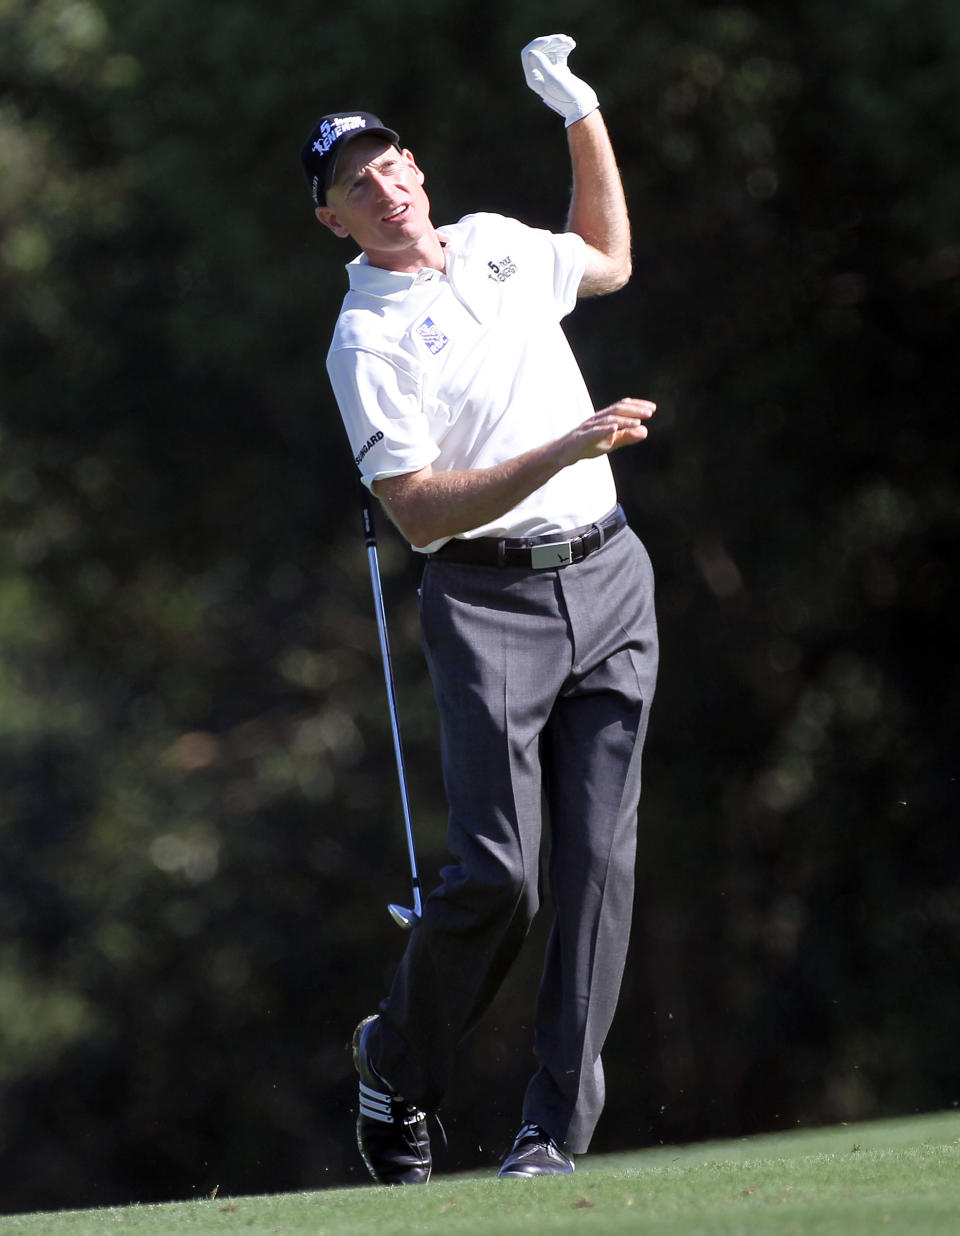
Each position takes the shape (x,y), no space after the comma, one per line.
(559,259)
(555,261)
(570,261)
(380,404)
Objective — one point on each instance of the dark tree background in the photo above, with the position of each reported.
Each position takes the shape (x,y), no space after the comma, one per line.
(199,826)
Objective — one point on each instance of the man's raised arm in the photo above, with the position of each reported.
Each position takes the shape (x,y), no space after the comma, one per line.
(598,208)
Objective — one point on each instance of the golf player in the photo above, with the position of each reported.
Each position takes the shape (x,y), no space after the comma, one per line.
(471,423)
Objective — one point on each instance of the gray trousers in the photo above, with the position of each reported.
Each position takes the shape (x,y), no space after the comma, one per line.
(543,681)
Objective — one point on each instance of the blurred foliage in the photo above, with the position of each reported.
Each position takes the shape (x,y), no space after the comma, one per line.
(199,828)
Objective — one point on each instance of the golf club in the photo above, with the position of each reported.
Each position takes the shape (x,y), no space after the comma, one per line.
(401,916)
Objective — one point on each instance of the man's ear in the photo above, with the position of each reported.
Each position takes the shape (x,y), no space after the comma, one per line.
(329,219)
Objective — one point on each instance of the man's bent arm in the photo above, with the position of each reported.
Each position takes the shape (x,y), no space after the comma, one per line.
(428,505)
(598,207)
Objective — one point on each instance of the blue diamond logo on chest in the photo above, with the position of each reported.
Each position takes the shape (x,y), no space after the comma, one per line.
(432,336)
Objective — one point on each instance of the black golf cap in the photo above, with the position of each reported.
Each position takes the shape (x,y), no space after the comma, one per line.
(329,136)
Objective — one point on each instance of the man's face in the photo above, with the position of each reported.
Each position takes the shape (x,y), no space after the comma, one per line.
(377,198)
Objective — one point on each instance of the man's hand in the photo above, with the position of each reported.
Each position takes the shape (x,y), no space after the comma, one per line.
(622,424)
(545,69)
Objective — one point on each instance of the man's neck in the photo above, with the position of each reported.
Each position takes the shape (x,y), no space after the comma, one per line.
(427,254)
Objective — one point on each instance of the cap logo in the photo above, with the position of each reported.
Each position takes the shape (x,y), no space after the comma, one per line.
(332,130)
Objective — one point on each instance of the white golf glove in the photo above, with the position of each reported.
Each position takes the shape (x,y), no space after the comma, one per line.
(545,69)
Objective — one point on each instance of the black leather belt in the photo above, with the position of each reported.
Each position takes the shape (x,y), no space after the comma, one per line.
(557,549)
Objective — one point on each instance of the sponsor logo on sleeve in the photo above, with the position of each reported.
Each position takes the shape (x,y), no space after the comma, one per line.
(432,336)
(502,270)
(368,445)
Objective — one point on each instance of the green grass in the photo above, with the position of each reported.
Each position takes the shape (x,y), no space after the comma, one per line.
(894,1176)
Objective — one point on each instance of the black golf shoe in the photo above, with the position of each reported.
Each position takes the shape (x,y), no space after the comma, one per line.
(535,1153)
(391,1133)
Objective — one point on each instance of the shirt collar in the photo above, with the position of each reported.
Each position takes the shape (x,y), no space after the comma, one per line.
(377,281)
(391,284)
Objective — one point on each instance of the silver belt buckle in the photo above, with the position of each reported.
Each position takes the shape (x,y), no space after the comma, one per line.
(556,554)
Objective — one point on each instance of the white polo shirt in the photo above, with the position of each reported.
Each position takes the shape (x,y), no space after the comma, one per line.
(470,367)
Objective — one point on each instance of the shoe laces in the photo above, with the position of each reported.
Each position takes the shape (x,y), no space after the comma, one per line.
(531,1131)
